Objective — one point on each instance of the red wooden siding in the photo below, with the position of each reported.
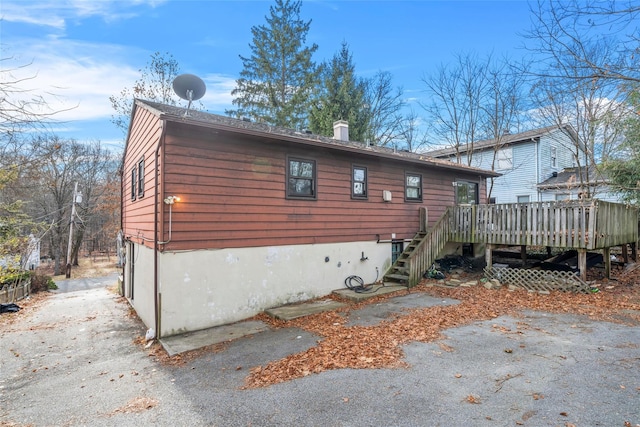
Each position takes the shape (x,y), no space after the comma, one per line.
(232,190)
(138,217)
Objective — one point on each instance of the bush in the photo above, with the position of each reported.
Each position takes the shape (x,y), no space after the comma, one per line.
(12,277)
(41,282)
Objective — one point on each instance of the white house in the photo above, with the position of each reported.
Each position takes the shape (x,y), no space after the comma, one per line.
(524,160)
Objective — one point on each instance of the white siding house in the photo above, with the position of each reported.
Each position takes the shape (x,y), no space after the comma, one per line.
(525,160)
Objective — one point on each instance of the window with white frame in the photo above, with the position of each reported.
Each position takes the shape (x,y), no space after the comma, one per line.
(504,158)
(554,157)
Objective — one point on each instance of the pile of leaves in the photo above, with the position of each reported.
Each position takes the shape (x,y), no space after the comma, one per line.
(367,347)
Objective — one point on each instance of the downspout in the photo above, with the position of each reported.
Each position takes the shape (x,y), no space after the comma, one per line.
(156,294)
(124,264)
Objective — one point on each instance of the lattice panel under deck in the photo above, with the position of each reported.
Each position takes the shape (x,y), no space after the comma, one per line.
(538,280)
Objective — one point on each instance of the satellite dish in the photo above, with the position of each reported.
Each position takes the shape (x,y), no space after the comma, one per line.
(189,87)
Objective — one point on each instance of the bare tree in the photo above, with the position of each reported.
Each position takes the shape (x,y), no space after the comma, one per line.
(586,55)
(61,163)
(502,107)
(154,84)
(598,38)
(457,95)
(385,105)
(411,133)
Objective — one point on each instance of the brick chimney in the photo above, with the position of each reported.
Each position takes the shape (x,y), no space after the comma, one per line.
(341,130)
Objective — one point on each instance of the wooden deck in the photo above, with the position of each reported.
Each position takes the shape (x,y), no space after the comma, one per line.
(574,224)
(581,225)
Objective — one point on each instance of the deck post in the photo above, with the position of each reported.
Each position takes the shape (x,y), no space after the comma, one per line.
(582,263)
(606,257)
(523,254)
(625,254)
(634,252)
(488,254)
(424,219)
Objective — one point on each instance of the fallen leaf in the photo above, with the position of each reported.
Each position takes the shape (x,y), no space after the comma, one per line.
(473,399)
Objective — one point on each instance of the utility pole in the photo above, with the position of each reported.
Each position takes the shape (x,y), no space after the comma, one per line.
(73,215)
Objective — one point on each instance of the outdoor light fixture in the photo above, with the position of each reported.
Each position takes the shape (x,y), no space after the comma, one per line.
(170,200)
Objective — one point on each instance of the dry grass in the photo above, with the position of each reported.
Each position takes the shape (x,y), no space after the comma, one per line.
(89,266)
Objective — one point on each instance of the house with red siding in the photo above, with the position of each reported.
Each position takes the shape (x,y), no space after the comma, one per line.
(224,218)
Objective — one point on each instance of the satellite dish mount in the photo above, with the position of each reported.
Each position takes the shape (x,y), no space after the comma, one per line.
(189,87)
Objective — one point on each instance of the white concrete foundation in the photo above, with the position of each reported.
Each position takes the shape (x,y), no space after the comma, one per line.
(206,288)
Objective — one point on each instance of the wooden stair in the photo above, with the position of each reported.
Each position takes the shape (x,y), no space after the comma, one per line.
(399,271)
(420,253)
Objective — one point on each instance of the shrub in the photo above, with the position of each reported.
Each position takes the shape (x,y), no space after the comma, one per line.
(41,282)
(11,277)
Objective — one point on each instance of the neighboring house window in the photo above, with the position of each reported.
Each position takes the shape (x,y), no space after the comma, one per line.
(492,200)
(413,187)
(359,182)
(134,184)
(466,193)
(141,178)
(563,196)
(554,157)
(301,178)
(504,158)
(523,199)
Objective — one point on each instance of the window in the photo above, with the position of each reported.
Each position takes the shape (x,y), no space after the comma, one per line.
(554,157)
(301,178)
(523,199)
(358,182)
(134,184)
(397,247)
(504,158)
(141,178)
(562,197)
(413,187)
(466,193)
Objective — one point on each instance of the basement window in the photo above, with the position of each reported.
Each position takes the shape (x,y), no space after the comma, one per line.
(413,187)
(301,178)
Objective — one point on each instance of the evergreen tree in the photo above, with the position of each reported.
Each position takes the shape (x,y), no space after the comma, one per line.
(277,80)
(341,97)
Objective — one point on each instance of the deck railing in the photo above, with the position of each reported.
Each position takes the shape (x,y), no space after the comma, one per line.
(592,224)
(429,248)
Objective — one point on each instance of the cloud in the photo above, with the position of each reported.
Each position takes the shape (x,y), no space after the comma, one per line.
(55,13)
(218,97)
(71,77)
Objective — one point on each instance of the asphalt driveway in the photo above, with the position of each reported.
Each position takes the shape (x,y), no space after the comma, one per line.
(73,362)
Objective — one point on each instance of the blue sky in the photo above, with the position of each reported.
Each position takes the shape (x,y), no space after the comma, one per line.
(80,52)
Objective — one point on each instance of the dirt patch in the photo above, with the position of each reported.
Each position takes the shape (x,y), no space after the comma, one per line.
(88,266)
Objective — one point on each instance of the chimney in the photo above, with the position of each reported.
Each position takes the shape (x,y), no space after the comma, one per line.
(341,130)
